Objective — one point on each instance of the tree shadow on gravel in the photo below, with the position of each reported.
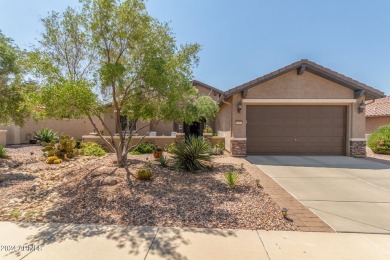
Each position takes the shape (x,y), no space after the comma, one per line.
(171,199)
(9,179)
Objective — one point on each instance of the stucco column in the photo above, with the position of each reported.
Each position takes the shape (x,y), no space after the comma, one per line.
(3,137)
(238,140)
(357,140)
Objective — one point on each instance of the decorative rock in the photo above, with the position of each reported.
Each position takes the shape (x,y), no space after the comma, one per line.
(15,201)
(109,181)
(102,171)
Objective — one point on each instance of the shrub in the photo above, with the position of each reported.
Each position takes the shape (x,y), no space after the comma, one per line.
(144,174)
(231,178)
(3,153)
(163,161)
(379,141)
(46,135)
(92,149)
(142,148)
(193,154)
(170,147)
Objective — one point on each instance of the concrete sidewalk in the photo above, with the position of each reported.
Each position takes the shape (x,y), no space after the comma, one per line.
(62,241)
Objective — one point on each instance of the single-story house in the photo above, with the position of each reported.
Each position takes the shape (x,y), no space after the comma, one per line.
(377,114)
(302,108)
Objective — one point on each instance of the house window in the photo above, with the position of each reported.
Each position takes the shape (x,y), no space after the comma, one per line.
(127,123)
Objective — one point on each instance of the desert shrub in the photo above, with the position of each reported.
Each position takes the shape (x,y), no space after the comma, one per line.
(231,178)
(144,174)
(163,161)
(170,147)
(142,148)
(46,135)
(193,154)
(379,141)
(3,153)
(92,149)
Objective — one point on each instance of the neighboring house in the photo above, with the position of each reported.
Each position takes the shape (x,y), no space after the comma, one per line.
(377,114)
(302,108)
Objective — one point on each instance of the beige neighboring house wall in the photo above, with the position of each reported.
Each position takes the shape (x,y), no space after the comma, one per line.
(73,127)
(377,114)
(373,123)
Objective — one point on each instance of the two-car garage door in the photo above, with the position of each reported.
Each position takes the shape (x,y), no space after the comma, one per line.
(319,130)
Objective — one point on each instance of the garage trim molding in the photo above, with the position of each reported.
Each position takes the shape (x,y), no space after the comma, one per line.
(298,101)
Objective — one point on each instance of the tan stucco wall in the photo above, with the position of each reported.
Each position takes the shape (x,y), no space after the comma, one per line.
(223,123)
(109,121)
(13,133)
(73,127)
(207,92)
(162,128)
(358,124)
(307,85)
(373,123)
(3,137)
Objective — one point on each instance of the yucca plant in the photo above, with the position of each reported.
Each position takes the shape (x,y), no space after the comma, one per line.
(3,153)
(163,161)
(46,135)
(193,154)
(231,178)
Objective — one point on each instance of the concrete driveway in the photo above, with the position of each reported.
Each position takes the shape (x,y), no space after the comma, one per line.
(349,194)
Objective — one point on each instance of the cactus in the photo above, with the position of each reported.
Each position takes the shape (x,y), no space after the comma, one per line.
(52,160)
(144,174)
(64,149)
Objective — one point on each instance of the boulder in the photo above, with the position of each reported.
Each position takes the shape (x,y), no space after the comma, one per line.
(109,181)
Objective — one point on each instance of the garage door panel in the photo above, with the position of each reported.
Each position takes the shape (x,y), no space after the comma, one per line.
(296,130)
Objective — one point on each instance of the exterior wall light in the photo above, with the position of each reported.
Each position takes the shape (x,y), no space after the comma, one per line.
(362,107)
(239,107)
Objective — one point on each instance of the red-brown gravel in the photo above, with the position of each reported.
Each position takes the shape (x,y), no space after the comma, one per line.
(70,193)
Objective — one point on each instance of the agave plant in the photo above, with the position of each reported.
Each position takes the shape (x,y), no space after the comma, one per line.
(193,154)
(46,135)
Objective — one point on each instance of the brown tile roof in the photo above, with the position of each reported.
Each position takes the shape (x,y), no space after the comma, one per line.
(198,83)
(378,107)
(313,68)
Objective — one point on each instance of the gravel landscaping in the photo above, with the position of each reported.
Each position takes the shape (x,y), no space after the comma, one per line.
(93,190)
(382,158)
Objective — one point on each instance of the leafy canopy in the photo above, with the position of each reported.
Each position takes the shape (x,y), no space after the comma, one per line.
(13,88)
(111,55)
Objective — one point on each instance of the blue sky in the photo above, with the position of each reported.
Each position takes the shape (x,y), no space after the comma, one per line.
(245,39)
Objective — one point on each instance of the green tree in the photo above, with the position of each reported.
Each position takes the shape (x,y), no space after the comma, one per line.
(111,55)
(14,89)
